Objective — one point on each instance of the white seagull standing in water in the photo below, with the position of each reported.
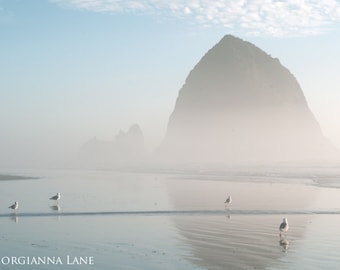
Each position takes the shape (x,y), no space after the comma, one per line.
(14,206)
(228,201)
(56,197)
(284,226)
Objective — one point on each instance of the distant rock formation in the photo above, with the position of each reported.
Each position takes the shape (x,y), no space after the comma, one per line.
(126,147)
(240,104)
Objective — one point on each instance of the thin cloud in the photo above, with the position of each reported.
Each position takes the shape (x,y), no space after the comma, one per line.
(255,17)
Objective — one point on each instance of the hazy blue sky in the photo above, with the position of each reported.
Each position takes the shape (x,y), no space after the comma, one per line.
(74,69)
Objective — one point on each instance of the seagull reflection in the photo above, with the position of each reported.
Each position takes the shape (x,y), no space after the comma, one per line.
(284,243)
(15,218)
(56,207)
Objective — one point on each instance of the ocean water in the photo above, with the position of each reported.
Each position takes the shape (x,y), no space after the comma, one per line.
(127,220)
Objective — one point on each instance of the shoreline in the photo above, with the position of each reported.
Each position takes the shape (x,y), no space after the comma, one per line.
(9,177)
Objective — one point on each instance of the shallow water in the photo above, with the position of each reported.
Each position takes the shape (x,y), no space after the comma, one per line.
(169,221)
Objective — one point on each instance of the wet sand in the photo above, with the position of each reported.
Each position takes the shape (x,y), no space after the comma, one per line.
(163,221)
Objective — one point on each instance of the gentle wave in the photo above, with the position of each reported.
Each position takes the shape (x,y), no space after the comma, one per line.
(178,212)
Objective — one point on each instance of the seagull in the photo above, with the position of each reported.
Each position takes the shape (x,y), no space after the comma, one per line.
(56,197)
(14,206)
(284,226)
(228,201)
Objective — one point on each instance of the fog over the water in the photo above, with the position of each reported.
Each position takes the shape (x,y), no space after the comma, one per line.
(238,104)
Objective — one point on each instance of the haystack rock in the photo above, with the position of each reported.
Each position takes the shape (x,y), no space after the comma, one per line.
(240,104)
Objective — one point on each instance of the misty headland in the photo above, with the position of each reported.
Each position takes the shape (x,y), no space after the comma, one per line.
(237,105)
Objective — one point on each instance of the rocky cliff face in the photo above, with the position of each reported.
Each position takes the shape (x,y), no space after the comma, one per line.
(126,147)
(239,103)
